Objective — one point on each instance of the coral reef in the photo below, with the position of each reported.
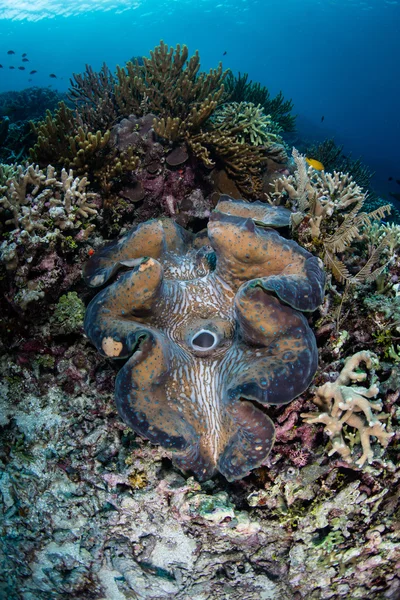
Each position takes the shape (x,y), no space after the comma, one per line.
(169,85)
(327,218)
(182,101)
(44,217)
(340,405)
(32,198)
(89,508)
(253,125)
(75,522)
(238,89)
(64,141)
(30,103)
(94,97)
(232,334)
(333,158)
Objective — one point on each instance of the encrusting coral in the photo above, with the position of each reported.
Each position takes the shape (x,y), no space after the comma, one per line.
(344,405)
(205,344)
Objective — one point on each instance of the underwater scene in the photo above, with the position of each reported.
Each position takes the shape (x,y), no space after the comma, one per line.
(200,300)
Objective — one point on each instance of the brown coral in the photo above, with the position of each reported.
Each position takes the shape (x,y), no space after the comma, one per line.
(169,85)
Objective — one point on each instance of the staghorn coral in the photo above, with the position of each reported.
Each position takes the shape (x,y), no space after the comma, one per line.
(169,85)
(327,217)
(344,405)
(253,125)
(238,89)
(93,95)
(67,142)
(333,159)
(63,141)
(203,344)
(53,134)
(32,198)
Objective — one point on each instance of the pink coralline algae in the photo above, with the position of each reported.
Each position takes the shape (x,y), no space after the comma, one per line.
(211,330)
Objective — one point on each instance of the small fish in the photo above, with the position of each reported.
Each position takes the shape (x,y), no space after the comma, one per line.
(315,164)
(322,118)
(21,68)
(11,52)
(224,53)
(32,72)
(390,178)
(11,67)
(53,76)
(1,66)
(24,54)
(25,60)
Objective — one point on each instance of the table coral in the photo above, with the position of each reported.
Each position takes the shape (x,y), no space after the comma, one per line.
(212,330)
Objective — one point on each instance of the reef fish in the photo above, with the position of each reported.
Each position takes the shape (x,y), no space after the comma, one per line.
(24,54)
(11,67)
(315,164)
(53,76)
(11,52)
(1,66)
(32,72)
(21,68)
(25,60)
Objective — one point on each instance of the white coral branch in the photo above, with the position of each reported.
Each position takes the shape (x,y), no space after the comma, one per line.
(341,404)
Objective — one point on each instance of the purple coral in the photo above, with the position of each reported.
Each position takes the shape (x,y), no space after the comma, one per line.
(206,345)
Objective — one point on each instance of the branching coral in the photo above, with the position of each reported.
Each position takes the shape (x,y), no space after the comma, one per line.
(327,217)
(93,95)
(344,405)
(206,345)
(182,100)
(253,125)
(238,89)
(65,142)
(33,198)
(169,85)
(333,159)
(243,162)
(53,135)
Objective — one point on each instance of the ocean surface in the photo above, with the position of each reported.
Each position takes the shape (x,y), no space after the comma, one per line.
(337,59)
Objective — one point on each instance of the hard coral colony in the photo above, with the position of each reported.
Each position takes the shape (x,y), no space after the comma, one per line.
(211,326)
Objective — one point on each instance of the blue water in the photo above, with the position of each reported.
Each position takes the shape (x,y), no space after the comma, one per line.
(337,59)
